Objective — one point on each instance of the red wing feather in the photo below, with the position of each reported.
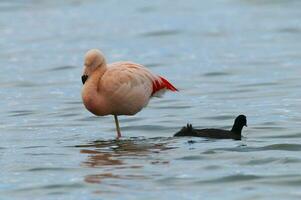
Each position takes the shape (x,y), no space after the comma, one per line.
(162,83)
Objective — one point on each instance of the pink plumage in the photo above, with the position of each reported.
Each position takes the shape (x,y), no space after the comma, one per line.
(121,88)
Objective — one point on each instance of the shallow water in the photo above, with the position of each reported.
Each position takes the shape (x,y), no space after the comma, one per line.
(227,57)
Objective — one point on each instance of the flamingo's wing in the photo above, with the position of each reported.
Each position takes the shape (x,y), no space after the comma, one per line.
(130,85)
(127,84)
(124,78)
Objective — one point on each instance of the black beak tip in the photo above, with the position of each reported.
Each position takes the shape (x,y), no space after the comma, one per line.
(84,78)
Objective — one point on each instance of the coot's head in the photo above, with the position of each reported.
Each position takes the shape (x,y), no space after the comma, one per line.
(186,131)
(239,123)
(242,120)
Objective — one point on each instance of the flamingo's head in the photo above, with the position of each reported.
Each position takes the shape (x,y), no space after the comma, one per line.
(94,59)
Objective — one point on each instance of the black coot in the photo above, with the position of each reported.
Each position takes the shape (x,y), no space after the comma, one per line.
(234,133)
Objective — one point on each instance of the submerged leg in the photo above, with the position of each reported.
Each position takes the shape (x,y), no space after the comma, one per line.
(117,127)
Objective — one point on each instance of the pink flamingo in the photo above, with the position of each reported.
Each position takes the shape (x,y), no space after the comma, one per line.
(121,88)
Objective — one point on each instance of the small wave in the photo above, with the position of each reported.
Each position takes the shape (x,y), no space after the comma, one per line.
(161,33)
(272,160)
(283,147)
(151,65)
(289,30)
(273,147)
(232,178)
(223,117)
(67,67)
(48,169)
(34,147)
(213,74)
(296,135)
(260,84)
(146,127)
(196,157)
(21,113)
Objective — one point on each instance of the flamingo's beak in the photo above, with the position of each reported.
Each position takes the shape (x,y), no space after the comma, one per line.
(84,78)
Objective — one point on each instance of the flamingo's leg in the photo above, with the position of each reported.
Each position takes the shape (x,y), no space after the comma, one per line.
(117,127)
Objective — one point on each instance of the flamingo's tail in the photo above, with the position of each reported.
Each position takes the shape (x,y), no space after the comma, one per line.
(160,85)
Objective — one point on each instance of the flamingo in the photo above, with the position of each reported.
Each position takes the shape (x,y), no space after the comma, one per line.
(120,88)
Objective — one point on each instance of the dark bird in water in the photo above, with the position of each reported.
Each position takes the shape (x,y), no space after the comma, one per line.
(234,133)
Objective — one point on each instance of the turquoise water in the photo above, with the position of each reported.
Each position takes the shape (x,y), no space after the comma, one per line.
(227,57)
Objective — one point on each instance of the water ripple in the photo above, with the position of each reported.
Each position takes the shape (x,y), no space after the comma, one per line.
(21,113)
(231,179)
(216,74)
(46,169)
(273,147)
(161,33)
(265,161)
(62,68)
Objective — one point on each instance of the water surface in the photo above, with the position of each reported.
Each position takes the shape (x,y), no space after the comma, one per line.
(227,57)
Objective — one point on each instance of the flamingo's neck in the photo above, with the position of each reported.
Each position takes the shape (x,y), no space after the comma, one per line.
(91,94)
(95,77)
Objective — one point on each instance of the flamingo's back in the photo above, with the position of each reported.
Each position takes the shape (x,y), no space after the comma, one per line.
(128,87)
